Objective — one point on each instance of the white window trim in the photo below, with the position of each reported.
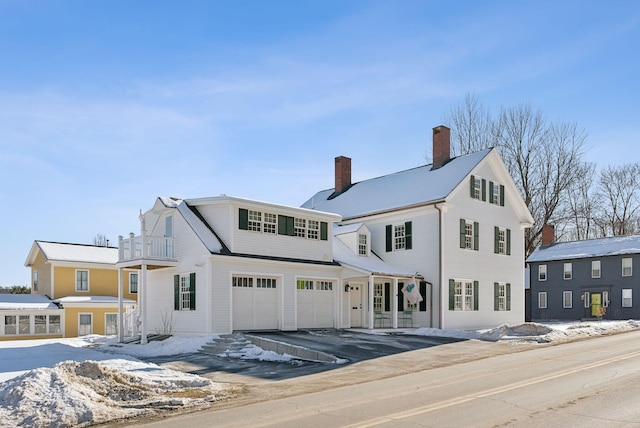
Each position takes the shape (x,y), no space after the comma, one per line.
(596,273)
(185,295)
(88,280)
(541,295)
(468,238)
(565,271)
(363,247)
(586,298)
(567,304)
(542,268)
(630,267)
(502,296)
(627,294)
(464,300)
(495,198)
(91,316)
(105,322)
(399,237)
(477,188)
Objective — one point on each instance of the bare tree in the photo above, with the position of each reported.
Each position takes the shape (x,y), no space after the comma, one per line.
(100,240)
(583,205)
(618,191)
(471,126)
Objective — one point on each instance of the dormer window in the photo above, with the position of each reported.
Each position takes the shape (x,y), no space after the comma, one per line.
(362,245)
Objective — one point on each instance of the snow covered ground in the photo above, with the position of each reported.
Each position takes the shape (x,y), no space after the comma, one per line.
(93,379)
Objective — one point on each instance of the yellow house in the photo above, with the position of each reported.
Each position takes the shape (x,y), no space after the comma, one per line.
(82,280)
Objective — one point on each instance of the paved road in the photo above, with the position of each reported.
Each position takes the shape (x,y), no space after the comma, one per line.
(592,383)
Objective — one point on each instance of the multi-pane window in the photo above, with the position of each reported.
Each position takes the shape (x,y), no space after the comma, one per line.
(314,230)
(299,227)
(54,324)
(242,281)
(567,299)
(463,296)
(495,194)
(542,300)
(85,325)
(502,297)
(362,244)
(378,296)
(185,293)
(265,283)
(40,324)
(10,324)
(502,241)
(304,284)
(324,285)
(468,235)
(595,269)
(627,267)
(133,282)
(477,188)
(269,225)
(255,221)
(24,324)
(542,273)
(82,280)
(399,242)
(567,271)
(627,294)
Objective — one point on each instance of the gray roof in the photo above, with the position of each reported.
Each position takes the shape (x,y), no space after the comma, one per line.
(620,245)
(399,190)
(76,253)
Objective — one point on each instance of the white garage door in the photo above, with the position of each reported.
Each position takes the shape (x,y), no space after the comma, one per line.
(315,303)
(255,303)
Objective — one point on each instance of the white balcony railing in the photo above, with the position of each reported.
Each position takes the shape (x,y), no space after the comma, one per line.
(155,247)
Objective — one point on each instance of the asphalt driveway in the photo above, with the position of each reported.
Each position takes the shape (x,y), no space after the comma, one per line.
(348,345)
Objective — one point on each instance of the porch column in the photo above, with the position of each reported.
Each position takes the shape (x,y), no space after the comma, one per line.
(370,301)
(394,304)
(120,308)
(142,301)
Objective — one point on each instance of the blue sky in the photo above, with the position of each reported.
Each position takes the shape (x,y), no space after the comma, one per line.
(105,105)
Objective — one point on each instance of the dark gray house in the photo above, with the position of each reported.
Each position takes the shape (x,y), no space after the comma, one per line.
(585,279)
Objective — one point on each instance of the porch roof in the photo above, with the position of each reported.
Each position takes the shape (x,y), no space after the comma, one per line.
(26,302)
(372,264)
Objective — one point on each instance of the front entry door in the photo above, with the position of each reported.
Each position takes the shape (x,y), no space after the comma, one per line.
(596,304)
(355,300)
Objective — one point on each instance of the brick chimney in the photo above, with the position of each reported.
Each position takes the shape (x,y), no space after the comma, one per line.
(548,234)
(343,174)
(441,146)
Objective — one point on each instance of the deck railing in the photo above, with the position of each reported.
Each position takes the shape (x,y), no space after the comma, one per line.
(155,247)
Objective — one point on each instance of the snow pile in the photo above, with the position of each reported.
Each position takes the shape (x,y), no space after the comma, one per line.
(84,393)
(253,352)
(174,345)
(535,332)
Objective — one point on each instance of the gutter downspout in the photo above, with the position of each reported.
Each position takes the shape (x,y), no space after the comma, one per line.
(440,208)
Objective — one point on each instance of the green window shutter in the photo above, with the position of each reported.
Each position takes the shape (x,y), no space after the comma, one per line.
(452,295)
(496,296)
(476,288)
(508,242)
(176,292)
(496,239)
(463,223)
(408,242)
(243,219)
(400,297)
(387,296)
(473,186)
(423,293)
(282,225)
(389,236)
(508,291)
(484,190)
(324,231)
(491,192)
(192,291)
(476,236)
(501,195)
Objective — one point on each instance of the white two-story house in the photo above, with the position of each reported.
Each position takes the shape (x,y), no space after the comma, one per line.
(458,223)
(436,246)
